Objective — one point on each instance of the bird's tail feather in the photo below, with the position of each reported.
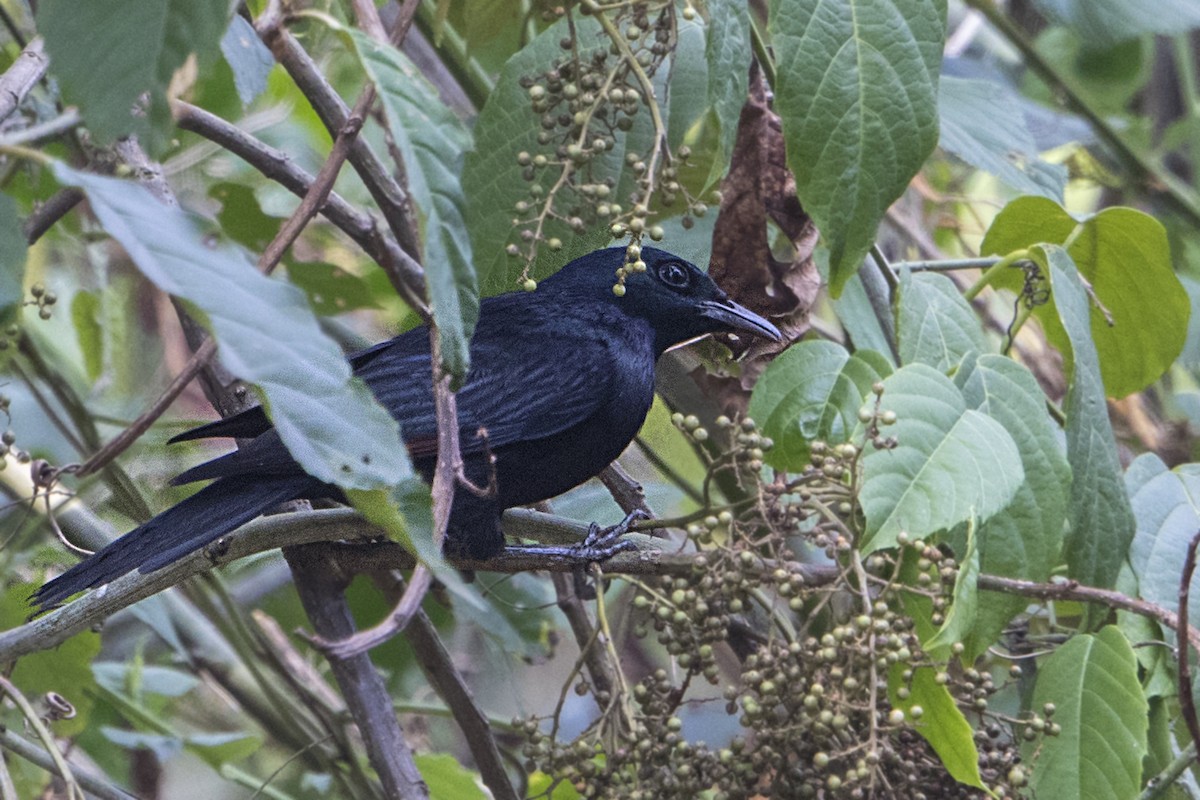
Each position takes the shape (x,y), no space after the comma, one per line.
(202,518)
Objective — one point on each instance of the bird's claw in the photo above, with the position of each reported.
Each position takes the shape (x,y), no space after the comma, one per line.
(603,543)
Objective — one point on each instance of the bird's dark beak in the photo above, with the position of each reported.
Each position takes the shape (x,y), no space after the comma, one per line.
(739,318)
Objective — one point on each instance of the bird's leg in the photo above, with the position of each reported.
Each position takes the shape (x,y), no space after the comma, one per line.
(598,545)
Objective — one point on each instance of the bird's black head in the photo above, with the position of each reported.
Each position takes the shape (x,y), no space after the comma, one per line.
(678,300)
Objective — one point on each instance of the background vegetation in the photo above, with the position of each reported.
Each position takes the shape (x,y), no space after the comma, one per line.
(941,545)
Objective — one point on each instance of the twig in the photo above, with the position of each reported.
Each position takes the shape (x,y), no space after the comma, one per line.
(62,768)
(22,76)
(584,632)
(322,593)
(387,193)
(403,270)
(29,751)
(448,682)
(1072,590)
(336,525)
(1187,705)
(1157,786)
(49,129)
(625,490)
(50,212)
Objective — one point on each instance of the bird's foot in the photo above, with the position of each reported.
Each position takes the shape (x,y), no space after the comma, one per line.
(599,544)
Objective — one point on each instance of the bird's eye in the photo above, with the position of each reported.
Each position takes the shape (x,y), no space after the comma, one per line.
(673,274)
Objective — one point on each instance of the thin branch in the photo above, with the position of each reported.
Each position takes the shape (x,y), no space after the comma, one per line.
(33,720)
(50,212)
(29,751)
(391,198)
(1073,590)
(403,270)
(51,128)
(599,670)
(319,528)
(447,681)
(322,593)
(1187,704)
(625,490)
(19,79)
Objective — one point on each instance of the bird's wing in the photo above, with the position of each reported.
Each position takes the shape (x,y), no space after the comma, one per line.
(511,398)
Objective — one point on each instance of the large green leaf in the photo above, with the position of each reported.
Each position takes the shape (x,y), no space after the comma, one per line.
(950,463)
(267,335)
(728,53)
(857,93)
(1166,507)
(941,722)
(934,324)
(107,53)
(1125,258)
(1110,21)
(984,125)
(493,180)
(1093,683)
(1100,520)
(12,259)
(1024,540)
(433,142)
(812,391)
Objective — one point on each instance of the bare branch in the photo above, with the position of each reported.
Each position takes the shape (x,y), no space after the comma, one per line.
(22,76)
(322,593)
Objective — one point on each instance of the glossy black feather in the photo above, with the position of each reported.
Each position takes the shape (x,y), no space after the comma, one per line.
(561,381)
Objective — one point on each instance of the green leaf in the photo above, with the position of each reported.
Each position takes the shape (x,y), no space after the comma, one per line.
(248,58)
(433,142)
(941,723)
(447,779)
(107,53)
(1092,680)
(934,323)
(85,316)
(983,124)
(12,260)
(965,607)
(116,676)
(382,509)
(950,462)
(1024,540)
(857,94)
(66,669)
(492,179)
(267,335)
(728,54)
(813,390)
(1112,21)
(1166,507)
(1124,256)
(1100,520)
